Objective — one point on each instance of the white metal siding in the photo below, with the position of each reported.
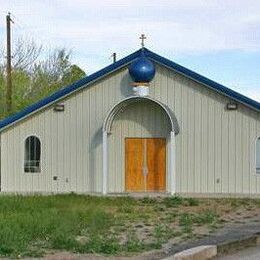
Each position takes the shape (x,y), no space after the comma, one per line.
(258,155)
(215,149)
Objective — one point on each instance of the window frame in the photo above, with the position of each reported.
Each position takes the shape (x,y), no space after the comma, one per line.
(39,169)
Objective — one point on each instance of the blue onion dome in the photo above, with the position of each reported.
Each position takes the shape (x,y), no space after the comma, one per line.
(142,69)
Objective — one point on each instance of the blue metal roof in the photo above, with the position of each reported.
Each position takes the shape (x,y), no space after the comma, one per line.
(121,63)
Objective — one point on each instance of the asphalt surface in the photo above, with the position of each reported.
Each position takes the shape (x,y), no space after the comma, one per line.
(228,234)
(252,253)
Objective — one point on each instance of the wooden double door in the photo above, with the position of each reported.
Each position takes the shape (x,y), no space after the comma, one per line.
(145,164)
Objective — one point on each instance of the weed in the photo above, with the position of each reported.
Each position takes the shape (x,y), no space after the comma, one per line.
(147,200)
(174,201)
(105,245)
(192,202)
(186,221)
(235,203)
(126,209)
(205,217)
(133,244)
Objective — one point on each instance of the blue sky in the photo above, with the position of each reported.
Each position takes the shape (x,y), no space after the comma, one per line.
(217,38)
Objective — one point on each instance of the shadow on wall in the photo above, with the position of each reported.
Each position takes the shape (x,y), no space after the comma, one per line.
(125,88)
(148,115)
(95,162)
(95,149)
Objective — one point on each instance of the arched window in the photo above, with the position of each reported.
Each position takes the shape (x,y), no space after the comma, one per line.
(258,155)
(32,155)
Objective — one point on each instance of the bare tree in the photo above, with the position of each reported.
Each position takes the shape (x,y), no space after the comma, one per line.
(57,63)
(2,60)
(25,54)
(36,72)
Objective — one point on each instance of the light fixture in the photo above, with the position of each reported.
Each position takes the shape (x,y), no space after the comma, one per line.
(59,108)
(231,106)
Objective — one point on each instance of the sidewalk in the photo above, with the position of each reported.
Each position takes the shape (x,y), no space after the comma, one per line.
(228,239)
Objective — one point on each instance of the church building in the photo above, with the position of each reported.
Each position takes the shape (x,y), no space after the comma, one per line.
(143,124)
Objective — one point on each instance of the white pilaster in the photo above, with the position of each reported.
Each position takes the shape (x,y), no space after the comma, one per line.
(172,176)
(105,164)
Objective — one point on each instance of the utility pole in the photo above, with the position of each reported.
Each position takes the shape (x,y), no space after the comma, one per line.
(8,64)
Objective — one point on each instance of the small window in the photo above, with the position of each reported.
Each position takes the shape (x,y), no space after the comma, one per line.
(258,155)
(32,158)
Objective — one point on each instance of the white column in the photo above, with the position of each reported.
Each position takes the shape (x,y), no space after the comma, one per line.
(172,176)
(104,188)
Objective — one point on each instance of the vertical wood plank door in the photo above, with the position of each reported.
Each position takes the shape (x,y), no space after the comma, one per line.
(145,164)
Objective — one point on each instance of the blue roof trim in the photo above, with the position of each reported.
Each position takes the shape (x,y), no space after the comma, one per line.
(69,89)
(123,62)
(206,81)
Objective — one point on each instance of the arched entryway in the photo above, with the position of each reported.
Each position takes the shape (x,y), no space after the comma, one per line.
(150,143)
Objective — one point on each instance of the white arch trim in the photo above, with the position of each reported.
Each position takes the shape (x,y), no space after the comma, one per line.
(107,126)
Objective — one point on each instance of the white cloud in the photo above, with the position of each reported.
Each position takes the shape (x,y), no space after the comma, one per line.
(95,29)
(196,26)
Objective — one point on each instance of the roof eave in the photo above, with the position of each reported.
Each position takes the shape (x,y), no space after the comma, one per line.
(66,91)
(205,81)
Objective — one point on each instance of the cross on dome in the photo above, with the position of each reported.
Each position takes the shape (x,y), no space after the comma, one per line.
(142,38)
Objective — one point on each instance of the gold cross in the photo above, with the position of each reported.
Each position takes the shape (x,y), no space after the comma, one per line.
(142,38)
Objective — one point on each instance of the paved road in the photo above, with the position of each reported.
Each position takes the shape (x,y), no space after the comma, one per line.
(252,253)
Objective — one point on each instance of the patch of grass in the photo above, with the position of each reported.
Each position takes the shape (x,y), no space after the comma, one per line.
(192,202)
(100,244)
(205,217)
(126,208)
(235,203)
(147,200)
(174,201)
(133,244)
(32,225)
(162,233)
(171,216)
(159,234)
(186,222)
(28,224)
